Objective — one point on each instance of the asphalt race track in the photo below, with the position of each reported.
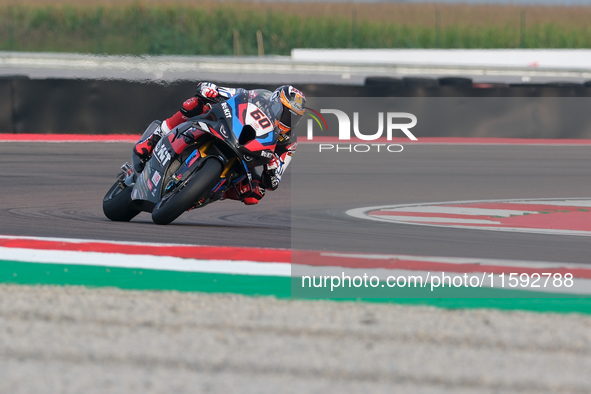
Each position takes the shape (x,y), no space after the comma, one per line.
(56,189)
(325,185)
(52,189)
(74,339)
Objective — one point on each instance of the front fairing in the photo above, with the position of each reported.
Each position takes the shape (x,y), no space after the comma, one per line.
(244,123)
(249,121)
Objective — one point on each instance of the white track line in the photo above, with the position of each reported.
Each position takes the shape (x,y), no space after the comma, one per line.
(165,263)
(278,269)
(427,219)
(566,203)
(362,213)
(461,211)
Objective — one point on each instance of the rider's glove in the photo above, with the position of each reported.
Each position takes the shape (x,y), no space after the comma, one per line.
(270,180)
(274,163)
(207,90)
(272,174)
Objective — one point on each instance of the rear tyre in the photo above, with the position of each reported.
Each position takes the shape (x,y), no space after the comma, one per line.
(117,204)
(173,205)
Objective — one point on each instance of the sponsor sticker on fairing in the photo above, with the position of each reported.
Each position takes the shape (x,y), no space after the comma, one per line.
(138,194)
(258,120)
(266,153)
(162,154)
(226,108)
(226,92)
(224,132)
(156,178)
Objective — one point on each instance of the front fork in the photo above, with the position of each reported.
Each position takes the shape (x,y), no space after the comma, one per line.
(127,175)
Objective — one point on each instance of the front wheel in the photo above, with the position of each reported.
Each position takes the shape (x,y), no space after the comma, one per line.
(173,205)
(117,204)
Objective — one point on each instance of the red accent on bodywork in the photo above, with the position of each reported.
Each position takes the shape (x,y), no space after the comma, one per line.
(179,143)
(197,133)
(242,112)
(220,185)
(216,133)
(194,159)
(255,146)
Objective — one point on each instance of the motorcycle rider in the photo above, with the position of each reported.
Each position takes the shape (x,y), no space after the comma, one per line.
(289,113)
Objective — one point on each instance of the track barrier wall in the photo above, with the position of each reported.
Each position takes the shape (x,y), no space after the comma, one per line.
(88,106)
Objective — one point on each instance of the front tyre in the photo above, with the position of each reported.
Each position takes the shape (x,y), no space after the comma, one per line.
(117,204)
(172,206)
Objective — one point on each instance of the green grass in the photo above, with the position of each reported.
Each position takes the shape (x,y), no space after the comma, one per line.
(136,29)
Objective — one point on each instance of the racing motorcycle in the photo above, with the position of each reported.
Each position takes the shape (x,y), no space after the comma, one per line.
(197,162)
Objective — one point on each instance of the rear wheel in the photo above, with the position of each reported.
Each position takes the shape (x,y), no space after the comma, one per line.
(175,203)
(117,204)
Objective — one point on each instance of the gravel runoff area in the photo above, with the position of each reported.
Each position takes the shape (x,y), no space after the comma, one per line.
(79,340)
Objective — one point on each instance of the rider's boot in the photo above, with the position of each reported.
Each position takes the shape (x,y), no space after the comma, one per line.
(145,147)
(191,107)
